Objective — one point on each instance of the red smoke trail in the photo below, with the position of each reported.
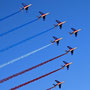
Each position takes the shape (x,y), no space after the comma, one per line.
(35,79)
(1,81)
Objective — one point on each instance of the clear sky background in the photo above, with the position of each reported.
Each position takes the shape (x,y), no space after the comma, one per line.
(77,15)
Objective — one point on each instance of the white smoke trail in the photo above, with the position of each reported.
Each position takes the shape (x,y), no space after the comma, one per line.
(26,55)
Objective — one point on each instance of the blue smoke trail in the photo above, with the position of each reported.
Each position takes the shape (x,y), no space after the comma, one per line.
(9,15)
(2,50)
(16,28)
(25,55)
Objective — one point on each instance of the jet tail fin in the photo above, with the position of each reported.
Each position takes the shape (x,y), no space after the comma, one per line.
(66,51)
(62,66)
(54,85)
(38,17)
(55,25)
(52,42)
(70,33)
(21,9)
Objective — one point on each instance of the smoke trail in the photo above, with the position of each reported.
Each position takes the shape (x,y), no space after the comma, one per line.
(35,79)
(14,45)
(9,15)
(10,77)
(26,55)
(16,28)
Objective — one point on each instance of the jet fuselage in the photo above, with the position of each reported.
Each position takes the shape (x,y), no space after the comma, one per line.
(58,39)
(67,64)
(60,83)
(44,14)
(27,6)
(61,23)
(72,49)
(76,31)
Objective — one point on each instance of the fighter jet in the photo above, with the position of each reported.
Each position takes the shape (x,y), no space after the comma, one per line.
(25,7)
(59,23)
(67,64)
(70,50)
(58,83)
(74,32)
(56,40)
(43,15)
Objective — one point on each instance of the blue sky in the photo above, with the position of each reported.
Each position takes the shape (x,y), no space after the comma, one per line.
(76,13)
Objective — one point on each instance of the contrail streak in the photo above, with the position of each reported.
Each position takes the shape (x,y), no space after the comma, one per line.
(10,77)
(9,15)
(16,28)
(26,55)
(2,50)
(35,79)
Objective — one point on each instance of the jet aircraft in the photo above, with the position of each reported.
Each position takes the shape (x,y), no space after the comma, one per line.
(43,15)
(67,64)
(56,40)
(74,32)
(25,7)
(58,83)
(70,50)
(59,23)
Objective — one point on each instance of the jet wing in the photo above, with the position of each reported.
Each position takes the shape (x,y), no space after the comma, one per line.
(60,26)
(72,52)
(41,12)
(69,47)
(76,34)
(57,81)
(44,18)
(58,21)
(55,37)
(65,62)
(24,4)
(68,67)
(73,29)
(60,86)
(57,42)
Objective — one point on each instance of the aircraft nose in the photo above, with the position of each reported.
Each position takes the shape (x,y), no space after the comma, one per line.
(61,37)
(75,47)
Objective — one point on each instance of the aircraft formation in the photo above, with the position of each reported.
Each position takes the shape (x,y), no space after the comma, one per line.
(56,40)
